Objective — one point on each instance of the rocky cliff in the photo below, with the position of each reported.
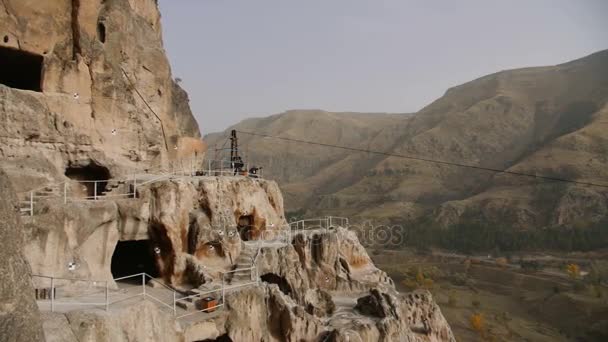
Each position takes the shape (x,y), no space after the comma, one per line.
(312,285)
(86,86)
(19,316)
(545,120)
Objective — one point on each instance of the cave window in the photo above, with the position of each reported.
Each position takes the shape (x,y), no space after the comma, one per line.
(101,32)
(20,69)
(86,175)
(272,278)
(245,227)
(133,257)
(6,39)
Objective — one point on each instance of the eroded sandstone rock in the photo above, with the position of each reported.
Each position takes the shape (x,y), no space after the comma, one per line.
(105,95)
(19,316)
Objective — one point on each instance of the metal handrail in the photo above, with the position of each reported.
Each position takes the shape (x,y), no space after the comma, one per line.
(144,293)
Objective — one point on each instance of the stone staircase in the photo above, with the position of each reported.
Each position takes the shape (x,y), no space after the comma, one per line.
(245,260)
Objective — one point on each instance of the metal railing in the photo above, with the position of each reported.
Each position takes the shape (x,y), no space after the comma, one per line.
(327,223)
(109,189)
(101,295)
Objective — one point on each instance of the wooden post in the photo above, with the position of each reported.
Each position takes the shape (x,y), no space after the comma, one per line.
(95,190)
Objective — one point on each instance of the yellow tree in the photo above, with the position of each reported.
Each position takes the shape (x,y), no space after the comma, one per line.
(573,271)
(477,322)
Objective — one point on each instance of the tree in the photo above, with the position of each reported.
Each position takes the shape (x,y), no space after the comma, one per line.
(477,323)
(573,271)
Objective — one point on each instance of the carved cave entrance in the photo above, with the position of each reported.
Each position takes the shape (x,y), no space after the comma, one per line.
(132,257)
(101,32)
(222,338)
(20,69)
(272,278)
(87,174)
(245,227)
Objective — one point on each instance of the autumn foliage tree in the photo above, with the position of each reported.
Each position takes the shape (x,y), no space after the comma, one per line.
(477,323)
(573,271)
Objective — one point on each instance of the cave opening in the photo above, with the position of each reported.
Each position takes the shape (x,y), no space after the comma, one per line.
(101,32)
(132,257)
(272,278)
(245,227)
(222,338)
(20,69)
(87,175)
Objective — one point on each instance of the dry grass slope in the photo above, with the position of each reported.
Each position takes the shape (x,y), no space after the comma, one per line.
(544,120)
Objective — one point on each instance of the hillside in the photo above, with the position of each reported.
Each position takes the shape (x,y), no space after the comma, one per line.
(543,120)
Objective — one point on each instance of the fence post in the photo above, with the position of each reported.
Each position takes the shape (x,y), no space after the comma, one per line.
(65,192)
(95,190)
(107,296)
(143,283)
(31,203)
(223,291)
(134,187)
(174,310)
(52,294)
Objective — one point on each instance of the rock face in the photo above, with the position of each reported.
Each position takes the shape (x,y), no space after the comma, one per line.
(304,285)
(100,93)
(19,316)
(545,120)
(191,222)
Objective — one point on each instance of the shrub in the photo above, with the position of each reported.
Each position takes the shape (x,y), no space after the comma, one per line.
(477,322)
(573,271)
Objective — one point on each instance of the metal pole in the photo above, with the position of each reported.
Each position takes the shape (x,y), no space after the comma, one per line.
(223,291)
(95,190)
(107,296)
(52,294)
(143,283)
(209,162)
(134,187)
(31,203)
(174,310)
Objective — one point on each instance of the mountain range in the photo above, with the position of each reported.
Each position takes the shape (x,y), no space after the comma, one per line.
(550,121)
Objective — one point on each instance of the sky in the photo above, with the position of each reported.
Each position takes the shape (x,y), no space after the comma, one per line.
(253,58)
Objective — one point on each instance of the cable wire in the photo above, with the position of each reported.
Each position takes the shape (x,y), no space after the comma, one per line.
(434,161)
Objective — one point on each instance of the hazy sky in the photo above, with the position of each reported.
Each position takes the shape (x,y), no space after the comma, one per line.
(245,58)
